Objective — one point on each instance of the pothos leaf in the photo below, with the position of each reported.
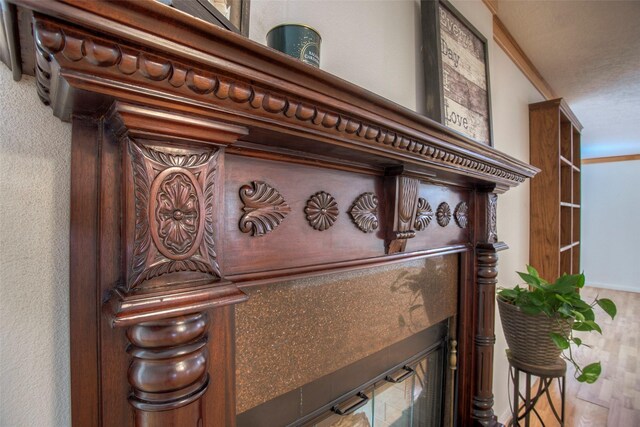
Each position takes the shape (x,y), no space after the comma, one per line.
(608,306)
(590,373)
(560,341)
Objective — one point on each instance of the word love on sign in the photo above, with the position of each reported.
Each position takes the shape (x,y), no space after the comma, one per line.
(455,67)
(464,78)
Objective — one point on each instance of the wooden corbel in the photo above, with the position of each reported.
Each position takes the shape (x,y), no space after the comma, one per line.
(401,193)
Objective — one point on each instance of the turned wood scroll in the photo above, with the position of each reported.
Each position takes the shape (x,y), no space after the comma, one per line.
(204,164)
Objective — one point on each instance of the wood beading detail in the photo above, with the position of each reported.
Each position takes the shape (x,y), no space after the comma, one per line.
(75,46)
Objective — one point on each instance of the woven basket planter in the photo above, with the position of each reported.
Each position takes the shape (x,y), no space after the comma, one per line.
(528,337)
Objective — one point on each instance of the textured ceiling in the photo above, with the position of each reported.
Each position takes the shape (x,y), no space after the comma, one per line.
(589,52)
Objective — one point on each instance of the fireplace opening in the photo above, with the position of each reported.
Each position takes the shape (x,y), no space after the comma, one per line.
(412,396)
(355,348)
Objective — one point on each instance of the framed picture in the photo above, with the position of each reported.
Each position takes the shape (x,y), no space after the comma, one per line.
(230,14)
(456,71)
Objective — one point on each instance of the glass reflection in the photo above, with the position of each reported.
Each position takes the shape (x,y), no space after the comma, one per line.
(414,402)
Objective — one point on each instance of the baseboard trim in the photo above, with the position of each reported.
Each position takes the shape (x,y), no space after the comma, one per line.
(623,288)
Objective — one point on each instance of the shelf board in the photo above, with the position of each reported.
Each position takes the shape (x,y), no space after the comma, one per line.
(569,205)
(566,248)
(569,164)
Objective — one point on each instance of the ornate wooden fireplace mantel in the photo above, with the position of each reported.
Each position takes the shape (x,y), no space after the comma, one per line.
(204,164)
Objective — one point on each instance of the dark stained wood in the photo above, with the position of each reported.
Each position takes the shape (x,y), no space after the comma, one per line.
(168,369)
(484,338)
(220,399)
(85,372)
(115,408)
(204,163)
(466,317)
(304,102)
(401,193)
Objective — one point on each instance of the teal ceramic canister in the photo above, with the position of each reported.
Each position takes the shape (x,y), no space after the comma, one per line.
(297,40)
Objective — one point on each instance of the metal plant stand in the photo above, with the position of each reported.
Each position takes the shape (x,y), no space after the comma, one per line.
(521,413)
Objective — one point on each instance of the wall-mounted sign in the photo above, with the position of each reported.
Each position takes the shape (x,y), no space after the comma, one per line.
(230,14)
(456,72)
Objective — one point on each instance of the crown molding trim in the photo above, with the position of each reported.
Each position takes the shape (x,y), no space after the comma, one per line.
(505,40)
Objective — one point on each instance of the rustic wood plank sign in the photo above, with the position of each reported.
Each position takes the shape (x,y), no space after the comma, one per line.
(456,73)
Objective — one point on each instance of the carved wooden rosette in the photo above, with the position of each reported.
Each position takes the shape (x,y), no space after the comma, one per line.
(169,363)
(264,208)
(321,211)
(364,212)
(174,197)
(443,214)
(402,193)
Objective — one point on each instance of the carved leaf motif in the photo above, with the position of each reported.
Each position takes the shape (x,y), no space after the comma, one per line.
(169,159)
(264,208)
(461,214)
(408,194)
(142,237)
(443,214)
(424,214)
(364,212)
(177,213)
(492,233)
(209,187)
(322,211)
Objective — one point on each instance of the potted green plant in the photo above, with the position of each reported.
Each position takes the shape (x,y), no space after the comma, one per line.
(539,320)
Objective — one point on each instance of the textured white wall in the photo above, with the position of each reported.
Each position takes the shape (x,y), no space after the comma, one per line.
(610,226)
(34,259)
(374,44)
(370,43)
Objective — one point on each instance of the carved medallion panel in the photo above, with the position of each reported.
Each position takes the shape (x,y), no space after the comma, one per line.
(294,242)
(174,192)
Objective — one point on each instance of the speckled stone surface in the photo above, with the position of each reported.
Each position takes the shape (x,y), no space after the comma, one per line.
(291,333)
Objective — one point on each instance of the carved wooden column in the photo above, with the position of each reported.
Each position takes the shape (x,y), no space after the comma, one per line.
(484,337)
(169,368)
(172,190)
